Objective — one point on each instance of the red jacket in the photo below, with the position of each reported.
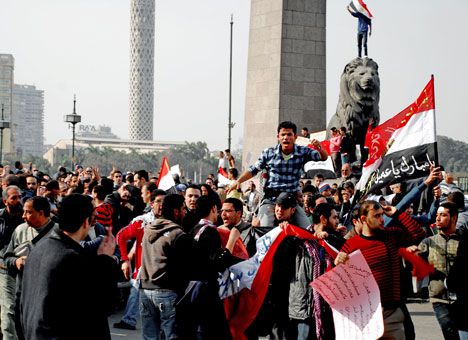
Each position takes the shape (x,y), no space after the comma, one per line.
(134,230)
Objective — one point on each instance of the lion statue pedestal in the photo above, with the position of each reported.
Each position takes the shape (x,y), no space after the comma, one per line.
(358,103)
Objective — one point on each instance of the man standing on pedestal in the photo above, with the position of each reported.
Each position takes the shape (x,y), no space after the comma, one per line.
(284,163)
(364,27)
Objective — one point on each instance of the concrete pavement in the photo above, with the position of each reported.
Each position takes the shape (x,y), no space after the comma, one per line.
(422,314)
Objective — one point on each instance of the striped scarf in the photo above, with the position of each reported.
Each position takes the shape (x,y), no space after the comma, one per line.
(314,250)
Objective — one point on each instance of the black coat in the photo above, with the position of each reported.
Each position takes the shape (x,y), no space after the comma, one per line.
(457,282)
(66,291)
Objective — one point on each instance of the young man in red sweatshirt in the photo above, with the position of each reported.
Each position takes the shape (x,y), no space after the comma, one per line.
(379,247)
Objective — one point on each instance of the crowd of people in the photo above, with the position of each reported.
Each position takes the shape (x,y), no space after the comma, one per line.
(66,239)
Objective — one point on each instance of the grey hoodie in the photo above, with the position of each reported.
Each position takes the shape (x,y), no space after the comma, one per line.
(165,253)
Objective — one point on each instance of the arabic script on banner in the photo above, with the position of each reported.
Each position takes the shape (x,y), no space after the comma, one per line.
(353,294)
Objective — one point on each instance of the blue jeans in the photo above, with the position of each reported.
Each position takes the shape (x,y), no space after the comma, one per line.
(132,309)
(7,305)
(463,335)
(158,313)
(443,313)
(362,42)
(303,330)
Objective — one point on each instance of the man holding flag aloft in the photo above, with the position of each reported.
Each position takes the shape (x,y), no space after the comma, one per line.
(358,9)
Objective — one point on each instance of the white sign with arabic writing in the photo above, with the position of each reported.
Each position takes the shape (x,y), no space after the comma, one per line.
(353,294)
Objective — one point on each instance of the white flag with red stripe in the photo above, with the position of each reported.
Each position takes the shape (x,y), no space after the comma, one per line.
(223,177)
(165,179)
(358,6)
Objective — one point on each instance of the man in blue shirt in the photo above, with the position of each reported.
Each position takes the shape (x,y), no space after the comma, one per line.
(283,164)
(364,26)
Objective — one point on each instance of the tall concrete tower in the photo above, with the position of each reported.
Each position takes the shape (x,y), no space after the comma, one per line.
(141,69)
(286,70)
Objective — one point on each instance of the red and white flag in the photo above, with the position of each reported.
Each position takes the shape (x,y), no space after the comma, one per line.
(244,285)
(358,6)
(223,177)
(402,148)
(325,167)
(165,179)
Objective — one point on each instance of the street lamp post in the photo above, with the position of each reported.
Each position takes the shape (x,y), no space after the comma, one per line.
(4,124)
(73,119)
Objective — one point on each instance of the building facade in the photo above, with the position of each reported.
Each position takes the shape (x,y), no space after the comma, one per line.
(141,69)
(28,121)
(61,152)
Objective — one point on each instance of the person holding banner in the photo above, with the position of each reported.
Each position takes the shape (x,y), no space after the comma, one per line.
(380,247)
(283,163)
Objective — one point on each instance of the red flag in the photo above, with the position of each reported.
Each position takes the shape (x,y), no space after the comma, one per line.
(239,250)
(250,301)
(325,145)
(421,268)
(165,180)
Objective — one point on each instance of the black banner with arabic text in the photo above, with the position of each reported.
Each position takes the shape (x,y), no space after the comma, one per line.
(403,165)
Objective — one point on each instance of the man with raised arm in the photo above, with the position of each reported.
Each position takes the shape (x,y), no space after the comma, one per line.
(283,163)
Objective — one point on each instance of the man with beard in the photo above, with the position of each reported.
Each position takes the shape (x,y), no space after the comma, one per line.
(441,251)
(10,218)
(380,246)
(326,222)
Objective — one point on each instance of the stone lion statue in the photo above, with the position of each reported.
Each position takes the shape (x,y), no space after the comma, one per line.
(358,103)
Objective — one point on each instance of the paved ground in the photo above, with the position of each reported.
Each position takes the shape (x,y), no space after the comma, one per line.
(423,317)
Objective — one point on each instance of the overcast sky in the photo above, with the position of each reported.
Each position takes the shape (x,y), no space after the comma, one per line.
(82,47)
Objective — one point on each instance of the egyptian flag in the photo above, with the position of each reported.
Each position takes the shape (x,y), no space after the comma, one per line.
(358,6)
(165,179)
(402,148)
(223,177)
(244,285)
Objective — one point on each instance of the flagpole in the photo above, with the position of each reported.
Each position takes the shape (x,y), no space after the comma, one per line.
(436,151)
(230,125)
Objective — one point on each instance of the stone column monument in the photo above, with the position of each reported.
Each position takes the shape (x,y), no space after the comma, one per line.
(286,70)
